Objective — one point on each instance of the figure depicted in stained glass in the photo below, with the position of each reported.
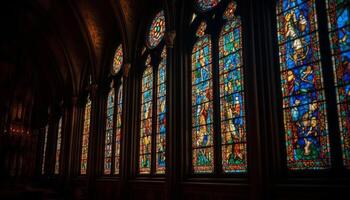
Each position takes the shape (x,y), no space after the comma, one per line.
(296,26)
(306,131)
(339,36)
(233,131)
(156,31)
(202,108)
(153,108)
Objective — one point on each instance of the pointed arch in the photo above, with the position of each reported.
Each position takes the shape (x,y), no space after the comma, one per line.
(232,106)
(202,104)
(161,114)
(146,129)
(304,106)
(109,132)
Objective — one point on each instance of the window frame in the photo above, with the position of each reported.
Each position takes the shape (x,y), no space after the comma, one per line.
(155,54)
(86,99)
(117,84)
(60,129)
(114,81)
(214,29)
(326,66)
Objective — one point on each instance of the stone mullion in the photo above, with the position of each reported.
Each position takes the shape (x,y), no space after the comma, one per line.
(93,139)
(71,142)
(170,153)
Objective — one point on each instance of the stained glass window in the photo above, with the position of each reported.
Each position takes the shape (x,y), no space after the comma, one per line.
(156,31)
(44,149)
(304,107)
(152,146)
(58,147)
(146,119)
(201,29)
(118,127)
(161,115)
(109,132)
(85,138)
(233,133)
(339,36)
(202,104)
(205,5)
(118,59)
(227,145)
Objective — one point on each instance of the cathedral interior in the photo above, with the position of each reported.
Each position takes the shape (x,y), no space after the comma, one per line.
(175,99)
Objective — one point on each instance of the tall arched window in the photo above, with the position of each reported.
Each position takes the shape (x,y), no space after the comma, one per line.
(85,138)
(114,117)
(118,127)
(161,115)
(302,80)
(44,149)
(152,137)
(233,133)
(304,106)
(109,132)
(202,103)
(146,120)
(58,147)
(218,124)
(339,35)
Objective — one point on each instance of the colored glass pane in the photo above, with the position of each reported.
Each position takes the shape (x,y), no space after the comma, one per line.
(339,36)
(58,147)
(229,13)
(85,138)
(304,107)
(202,107)
(205,5)
(44,150)
(161,115)
(118,59)
(156,30)
(201,29)
(146,120)
(118,128)
(109,132)
(233,131)
(193,17)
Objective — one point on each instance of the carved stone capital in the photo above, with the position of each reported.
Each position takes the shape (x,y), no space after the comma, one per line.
(169,38)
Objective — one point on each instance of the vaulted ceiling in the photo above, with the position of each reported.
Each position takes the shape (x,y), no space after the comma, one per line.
(49,47)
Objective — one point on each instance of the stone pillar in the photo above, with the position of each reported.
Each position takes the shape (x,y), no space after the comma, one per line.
(71,140)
